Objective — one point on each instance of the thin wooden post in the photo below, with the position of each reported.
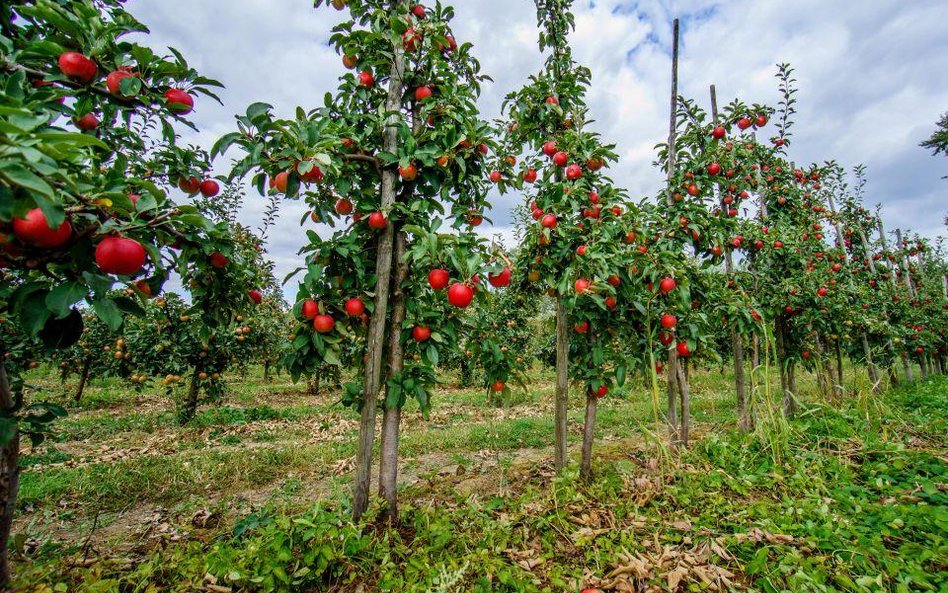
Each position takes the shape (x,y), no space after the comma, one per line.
(673,363)
(562,384)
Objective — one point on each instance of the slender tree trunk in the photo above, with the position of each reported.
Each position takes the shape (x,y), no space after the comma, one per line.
(190,404)
(839,368)
(674,437)
(792,379)
(923,367)
(266,371)
(745,422)
(874,377)
(9,476)
(907,368)
(375,340)
(789,404)
(83,377)
(589,430)
(562,385)
(893,376)
(391,418)
(685,394)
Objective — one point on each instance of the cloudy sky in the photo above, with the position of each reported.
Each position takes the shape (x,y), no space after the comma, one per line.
(872,79)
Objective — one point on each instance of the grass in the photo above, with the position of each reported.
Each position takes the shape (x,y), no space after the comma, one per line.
(846,497)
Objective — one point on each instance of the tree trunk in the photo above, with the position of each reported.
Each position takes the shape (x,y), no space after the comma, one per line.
(874,377)
(792,379)
(674,437)
(9,477)
(83,377)
(391,418)
(589,429)
(266,371)
(562,385)
(923,366)
(190,404)
(893,377)
(745,422)
(375,340)
(839,369)
(685,394)
(789,404)
(907,368)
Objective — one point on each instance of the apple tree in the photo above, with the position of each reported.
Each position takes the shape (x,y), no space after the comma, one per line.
(88,119)
(392,168)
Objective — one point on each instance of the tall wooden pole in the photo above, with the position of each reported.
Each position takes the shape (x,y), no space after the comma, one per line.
(674,434)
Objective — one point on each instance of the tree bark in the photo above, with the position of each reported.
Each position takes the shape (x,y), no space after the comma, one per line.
(685,394)
(190,404)
(266,371)
(391,417)
(874,377)
(839,369)
(83,377)
(9,476)
(375,340)
(674,437)
(562,385)
(745,422)
(789,403)
(589,430)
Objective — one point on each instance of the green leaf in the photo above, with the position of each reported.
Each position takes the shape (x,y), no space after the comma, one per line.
(108,312)
(61,299)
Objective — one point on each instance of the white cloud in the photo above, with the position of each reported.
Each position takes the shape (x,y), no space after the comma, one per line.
(871,78)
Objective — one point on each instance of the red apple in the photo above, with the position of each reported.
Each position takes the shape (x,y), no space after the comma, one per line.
(119,255)
(549,148)
(87,122)
(548,221)
(354,307)
(78,67)
(581,327)
(409,172)
(667,285)
(324,323)
(209,188)
(255,296)
(422,93)
(683,350)
(497,386)
(279,181)
(366,79)
(500,280)
(530,175)
(309,309)
(581,286)
(179,101)
(574,172)
(421,333)
(669,321)
(189,185)
(560,158)
(377,220)
(744,123)
(34,230)
(718,132)
(495,176)
(114,80)
(460,295)
(219,260)
(438,278)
